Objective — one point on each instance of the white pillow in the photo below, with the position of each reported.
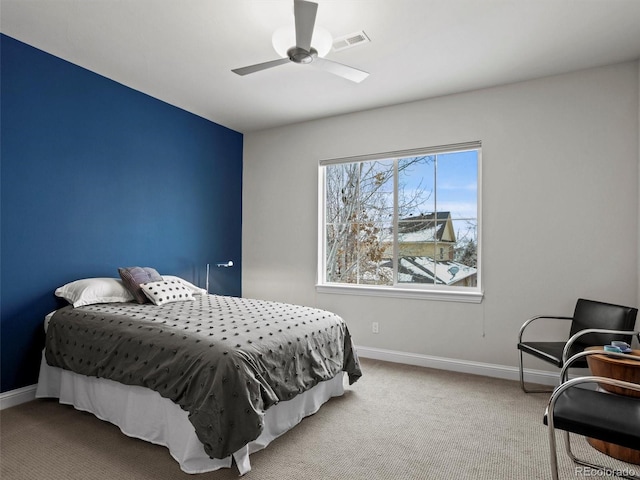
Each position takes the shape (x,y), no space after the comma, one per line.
(194,289)
(94,290)
(166,291)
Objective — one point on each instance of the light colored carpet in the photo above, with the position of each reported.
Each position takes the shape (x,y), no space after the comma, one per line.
(398,422)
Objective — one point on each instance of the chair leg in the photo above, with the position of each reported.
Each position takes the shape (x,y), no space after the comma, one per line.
(553,454)
(602,468)
(522,385)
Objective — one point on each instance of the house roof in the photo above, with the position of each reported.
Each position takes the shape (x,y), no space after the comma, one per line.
(428,227)
(426,270)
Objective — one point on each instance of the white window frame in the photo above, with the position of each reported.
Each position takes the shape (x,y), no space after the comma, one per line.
(422,291)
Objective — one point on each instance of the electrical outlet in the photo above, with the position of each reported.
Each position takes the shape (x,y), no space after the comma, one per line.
(375,327)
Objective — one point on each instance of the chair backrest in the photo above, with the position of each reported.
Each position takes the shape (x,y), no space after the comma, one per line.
(593,314)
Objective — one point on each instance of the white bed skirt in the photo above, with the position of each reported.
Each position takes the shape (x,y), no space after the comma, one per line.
(142,413)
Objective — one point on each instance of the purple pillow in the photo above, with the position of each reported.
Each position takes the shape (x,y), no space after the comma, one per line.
(132,277)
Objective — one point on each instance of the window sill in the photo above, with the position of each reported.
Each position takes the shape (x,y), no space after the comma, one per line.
(438,295)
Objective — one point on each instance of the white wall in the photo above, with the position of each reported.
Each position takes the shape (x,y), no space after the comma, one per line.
(560,208)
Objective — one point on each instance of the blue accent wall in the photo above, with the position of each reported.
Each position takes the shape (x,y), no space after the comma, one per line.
(95,176)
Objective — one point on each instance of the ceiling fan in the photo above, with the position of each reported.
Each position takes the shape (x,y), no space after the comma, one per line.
(302,52)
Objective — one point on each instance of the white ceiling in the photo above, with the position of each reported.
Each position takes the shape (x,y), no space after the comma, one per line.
(182,51)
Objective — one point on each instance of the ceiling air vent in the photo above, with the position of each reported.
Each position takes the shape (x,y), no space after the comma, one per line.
(351,40)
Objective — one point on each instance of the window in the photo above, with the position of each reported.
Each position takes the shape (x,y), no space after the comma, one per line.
(402,223)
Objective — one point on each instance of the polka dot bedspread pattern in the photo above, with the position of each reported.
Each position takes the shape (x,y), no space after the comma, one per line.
(225,360)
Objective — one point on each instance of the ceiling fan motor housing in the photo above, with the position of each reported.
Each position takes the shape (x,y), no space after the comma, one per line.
(300,55)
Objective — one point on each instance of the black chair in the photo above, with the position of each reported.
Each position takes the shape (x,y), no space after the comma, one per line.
(593,413)
(613,322)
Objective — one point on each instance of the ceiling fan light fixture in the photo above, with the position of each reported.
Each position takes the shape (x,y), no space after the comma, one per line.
(284,38)
(304,44)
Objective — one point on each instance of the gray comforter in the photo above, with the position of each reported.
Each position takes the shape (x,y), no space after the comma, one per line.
(225,360)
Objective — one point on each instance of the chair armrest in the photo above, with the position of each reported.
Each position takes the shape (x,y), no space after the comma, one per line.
(567,346)
(567,364)
(537,317)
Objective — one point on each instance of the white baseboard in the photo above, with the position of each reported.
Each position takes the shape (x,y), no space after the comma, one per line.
(26,394)
(17,396)
(464,366)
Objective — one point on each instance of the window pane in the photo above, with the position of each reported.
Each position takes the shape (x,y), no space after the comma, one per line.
(359,210)
(416,186)
(416,223)
(437,234)
(457,194)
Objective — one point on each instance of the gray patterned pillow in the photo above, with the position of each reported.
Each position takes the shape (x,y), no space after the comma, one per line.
(166,291)
(132,277)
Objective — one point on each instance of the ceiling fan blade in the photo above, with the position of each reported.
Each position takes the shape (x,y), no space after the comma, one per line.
(260,66)
(305,14)
(344,71)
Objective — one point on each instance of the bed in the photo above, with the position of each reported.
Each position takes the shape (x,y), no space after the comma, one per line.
(213,378)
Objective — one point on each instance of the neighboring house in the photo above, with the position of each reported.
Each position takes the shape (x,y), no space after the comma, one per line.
(429,235)
(427,246)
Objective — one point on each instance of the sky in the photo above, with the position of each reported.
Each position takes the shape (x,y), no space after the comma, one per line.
(457,186)
(457,183)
